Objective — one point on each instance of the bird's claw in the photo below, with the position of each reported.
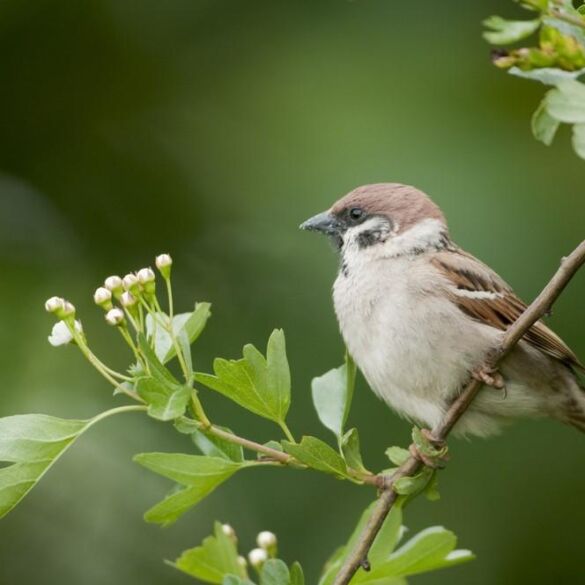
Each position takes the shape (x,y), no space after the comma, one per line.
(490,377)
(428,449)
(432,462)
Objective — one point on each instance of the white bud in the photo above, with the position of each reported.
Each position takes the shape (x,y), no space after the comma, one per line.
(266,540)
(242,561)
(54,304)
(68,310)
(163,261)
(102,296)
(114,284)
(61,334)
(131,282)
(257,557)
(228,530)
(145,275)
(128,300)
(115,317)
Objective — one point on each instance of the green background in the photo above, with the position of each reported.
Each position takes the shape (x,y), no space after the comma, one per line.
(211,129)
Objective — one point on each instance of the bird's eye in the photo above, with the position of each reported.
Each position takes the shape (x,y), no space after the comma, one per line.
(356,213)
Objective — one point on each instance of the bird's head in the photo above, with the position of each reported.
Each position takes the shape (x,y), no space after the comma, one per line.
(391,218)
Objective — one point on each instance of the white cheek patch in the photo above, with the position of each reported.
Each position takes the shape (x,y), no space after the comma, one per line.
(373,224)
(476,294)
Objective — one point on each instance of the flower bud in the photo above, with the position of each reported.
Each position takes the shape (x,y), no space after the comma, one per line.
(242,561)
(115,317)
(266,540)
(257,557)
(54,304)
(146,277)
(115,285)
(103,298)
(128,300)
(131,283)
(67,311)
(163,263)
(61,333)
(228,531)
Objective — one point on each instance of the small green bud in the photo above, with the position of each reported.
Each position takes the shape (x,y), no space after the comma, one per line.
(163,263)
(242,562)
(131,283)
(66,312)
(267,541)
(147,278)
(229,531)
(103,298)
(128,300)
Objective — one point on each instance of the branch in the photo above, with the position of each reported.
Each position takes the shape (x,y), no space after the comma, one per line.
(539,307)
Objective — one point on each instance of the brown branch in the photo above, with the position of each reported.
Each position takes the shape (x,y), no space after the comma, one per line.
(539,307)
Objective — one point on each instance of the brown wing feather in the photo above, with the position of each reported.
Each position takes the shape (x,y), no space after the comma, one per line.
(467,273)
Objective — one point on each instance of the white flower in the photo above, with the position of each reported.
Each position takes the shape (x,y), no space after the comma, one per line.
(61,335)
(128,299)
(257,557)
(54,304)
(114,284)
(266,539)
(102,296)
(67,311)
(145,275)
(228,531)
(115,317)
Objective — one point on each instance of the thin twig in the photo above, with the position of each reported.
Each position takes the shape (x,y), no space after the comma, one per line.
(538,308)
(574,20)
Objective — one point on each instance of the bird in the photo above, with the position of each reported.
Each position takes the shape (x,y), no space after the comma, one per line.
(418,315)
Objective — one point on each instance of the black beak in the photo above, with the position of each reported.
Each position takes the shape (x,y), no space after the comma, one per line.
(325,222)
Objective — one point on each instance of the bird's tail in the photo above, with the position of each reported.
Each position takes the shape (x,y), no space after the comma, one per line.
(575,413)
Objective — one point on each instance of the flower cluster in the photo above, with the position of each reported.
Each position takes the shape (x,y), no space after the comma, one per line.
(266,549)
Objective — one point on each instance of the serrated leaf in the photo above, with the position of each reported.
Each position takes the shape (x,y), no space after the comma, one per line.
(397,455)
(297,576)
(32,443)
(350,447)
(156,369)
(332,394)
(566,103)
(255,383)
(544,126)
(505,32)
(200,474)
(213,561)
(431,549)
(274,572)
(579,139)
(165,400)
(318,455)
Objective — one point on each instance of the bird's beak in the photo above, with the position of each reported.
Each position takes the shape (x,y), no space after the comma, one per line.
(325,222)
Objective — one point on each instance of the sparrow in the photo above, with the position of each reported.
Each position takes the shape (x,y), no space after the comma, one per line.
(418,314)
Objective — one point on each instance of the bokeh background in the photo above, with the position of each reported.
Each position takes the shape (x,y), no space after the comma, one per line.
(210,129)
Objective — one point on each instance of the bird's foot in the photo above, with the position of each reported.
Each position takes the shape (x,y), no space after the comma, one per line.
(428,449)
(490,377)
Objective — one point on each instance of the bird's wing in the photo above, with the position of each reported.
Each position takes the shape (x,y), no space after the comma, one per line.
(483,295)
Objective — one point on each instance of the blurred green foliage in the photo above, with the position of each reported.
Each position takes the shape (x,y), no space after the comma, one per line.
(211,130)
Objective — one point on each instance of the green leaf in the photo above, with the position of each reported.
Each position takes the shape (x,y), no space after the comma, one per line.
(544,126)
(566,103)
(388,537)
(432,489)
(199,473)
(274,572)
(233,580)
(214,446)
(350,448)
(409,486)
(332,394)
(165,400)
(505,32)
(579,139)
(297,576)
(213,561)
(546,75)
(190,325)
(318,455)
(157,369)
(397,455)
(429,550)
(32,443)
(255,383)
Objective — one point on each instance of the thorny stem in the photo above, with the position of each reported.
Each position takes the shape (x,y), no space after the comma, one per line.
(537,309)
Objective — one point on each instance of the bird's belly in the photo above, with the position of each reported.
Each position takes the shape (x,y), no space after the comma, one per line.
(406,344)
